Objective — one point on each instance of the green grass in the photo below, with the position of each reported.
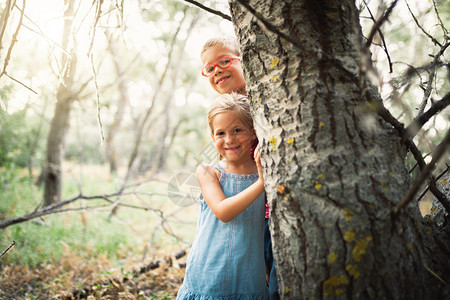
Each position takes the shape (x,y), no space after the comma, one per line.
(90,233)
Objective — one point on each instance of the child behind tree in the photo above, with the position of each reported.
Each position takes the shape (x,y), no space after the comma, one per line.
(222,67)
(226,260)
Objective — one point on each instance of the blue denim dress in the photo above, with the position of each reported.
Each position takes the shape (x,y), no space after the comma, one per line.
(226,260)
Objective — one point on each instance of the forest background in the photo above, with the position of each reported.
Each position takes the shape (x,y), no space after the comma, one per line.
(127,75)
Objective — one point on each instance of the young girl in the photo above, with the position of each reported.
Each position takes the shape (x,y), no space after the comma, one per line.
(226,260)
(222,67)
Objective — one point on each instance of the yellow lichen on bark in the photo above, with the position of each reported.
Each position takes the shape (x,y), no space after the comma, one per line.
(334,285)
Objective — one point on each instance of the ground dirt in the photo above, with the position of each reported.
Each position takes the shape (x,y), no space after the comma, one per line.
(73,278)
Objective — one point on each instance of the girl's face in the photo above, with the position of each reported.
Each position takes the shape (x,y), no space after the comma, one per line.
(228,80)
(232,137)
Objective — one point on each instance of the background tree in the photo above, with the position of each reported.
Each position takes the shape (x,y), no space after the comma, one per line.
(121,105)
(333,156)
(65,96)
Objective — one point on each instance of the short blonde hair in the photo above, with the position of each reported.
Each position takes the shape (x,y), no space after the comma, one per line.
(232,102)
(228,42)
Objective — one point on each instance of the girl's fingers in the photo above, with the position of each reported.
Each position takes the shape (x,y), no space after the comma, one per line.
(256,154)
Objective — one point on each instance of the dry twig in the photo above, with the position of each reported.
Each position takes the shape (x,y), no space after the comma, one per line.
(7,249)
(384,47)
(213,11)
(60,207)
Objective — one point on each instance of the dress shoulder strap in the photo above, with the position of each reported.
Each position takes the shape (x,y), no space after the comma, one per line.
(219,167)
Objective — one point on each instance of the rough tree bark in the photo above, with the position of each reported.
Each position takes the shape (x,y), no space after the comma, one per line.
(334,170)
(51,173)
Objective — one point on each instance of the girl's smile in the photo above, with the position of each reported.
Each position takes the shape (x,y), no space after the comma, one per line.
(222,80)
(232,137)
(227,80)
(232,148)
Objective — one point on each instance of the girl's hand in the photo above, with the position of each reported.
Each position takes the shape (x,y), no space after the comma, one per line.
(257,158)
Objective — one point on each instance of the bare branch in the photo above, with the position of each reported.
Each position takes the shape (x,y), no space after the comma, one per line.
(19,82)
(98,13)
(384,46)
(439,195)
(4,19)
(125,190)
(97,93)
(42,34)
(388,117)
(58,207)
(378,24)
(421,28)
(420,120)
(405,79)
(437,154)
(13,40)
(436,179)
(432,73)
(7,249)
(213,11)
(444,30)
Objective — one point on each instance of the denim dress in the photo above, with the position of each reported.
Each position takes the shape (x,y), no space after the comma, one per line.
(226,260)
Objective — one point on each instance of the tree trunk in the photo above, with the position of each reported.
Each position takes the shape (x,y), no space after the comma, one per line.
(163,147)
(145,123)
(51,174)
(333,169)
(123,101)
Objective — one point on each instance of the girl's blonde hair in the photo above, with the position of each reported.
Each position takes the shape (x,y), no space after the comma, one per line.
(232,102)
(228,42)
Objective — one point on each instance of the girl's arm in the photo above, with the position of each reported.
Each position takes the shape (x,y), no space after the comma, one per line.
(226,209)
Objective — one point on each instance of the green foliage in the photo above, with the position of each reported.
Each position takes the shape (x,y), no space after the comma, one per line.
(12,139)
(37,243)
(19,135)
(15,188)
(47,239)
(87,233)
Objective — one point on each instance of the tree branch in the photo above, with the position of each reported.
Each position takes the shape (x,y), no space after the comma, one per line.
(5,17)
(19,82)
(432,73)
(58,207)
(384,47)
(213,11)
(437,154)
(7,249)
(444,30)
(378,24)
(420,120)
(421,28)
(436,179)
(388,117)
(98,12)
(13,41)
(97,94)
